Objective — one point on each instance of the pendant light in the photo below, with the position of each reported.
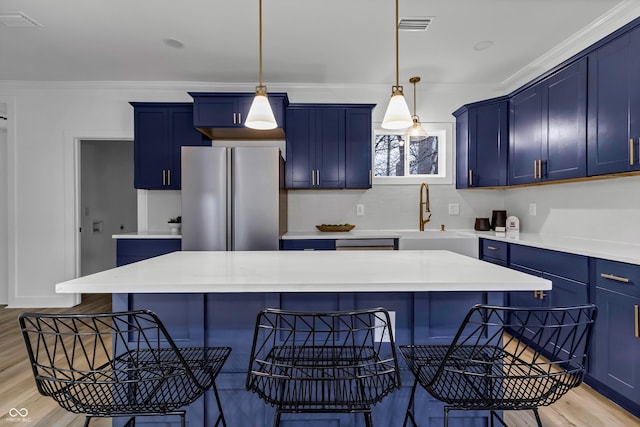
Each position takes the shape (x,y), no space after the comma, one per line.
(260,114)
(397,115)
(416,131)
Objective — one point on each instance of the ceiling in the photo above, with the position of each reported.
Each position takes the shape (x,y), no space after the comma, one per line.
(305,42)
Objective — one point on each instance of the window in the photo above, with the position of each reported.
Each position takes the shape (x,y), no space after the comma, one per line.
(420,160)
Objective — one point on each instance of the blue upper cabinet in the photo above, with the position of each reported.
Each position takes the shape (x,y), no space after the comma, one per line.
(328,146)
(160,130)
(548,128)
(481,144)
(614,106)
(221,115)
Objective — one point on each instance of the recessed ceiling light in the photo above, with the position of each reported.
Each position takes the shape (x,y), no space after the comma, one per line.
(483,45)
(174,43)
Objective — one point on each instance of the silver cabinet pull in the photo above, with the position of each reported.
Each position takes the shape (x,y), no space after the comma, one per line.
(470,177)
(168,176)
(313,177)
(370,177)
(239,118)
(636,310)
(631,153)
(616,278)
(234,118)
(492,248)
(535,169)
(318,176)
(164,179)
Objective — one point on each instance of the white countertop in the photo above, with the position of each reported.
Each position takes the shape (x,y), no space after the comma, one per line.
(306,271)
(162,234)
(353,234)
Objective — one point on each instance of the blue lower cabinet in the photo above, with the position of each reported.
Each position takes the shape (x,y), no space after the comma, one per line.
(134,250)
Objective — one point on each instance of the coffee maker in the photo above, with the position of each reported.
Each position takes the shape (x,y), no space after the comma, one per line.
(498,219)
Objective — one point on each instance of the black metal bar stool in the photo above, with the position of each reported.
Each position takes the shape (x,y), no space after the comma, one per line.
(333,362)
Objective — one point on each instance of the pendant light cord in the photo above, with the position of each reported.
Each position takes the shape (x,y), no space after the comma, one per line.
(414,98)
(397,46)
(260,26)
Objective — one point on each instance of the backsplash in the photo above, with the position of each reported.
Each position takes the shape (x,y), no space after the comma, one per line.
(607,209)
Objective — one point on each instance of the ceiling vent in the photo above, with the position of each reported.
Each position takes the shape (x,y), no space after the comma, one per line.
(415,24)
(17,19)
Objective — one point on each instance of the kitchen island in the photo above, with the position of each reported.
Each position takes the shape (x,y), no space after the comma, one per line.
(212,298)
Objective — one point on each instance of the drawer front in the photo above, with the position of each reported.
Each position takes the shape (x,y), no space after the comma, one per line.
(618,277)
(495,250)
(147,248)
(308,245)
(571,266)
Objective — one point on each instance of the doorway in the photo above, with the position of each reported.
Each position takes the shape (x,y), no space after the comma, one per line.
(108,201)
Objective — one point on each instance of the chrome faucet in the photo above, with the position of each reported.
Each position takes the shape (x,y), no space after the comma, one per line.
(424,201)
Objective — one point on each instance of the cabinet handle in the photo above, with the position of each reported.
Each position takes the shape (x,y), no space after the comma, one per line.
(540,169)
(542,294)
(168,176)
(234,118)
(492,248)
(164,179)
(470,177)
(239,118)
(535,294)
(318,176)
(370,178)
(313,177)
(535,169)
(636,311)
(616,278)
(631,153)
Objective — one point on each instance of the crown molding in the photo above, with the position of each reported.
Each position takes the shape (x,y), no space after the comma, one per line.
(614,19)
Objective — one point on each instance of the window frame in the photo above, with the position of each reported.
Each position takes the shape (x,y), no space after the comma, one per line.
(445,156)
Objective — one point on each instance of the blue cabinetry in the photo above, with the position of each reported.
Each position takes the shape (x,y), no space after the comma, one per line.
(614,105)
(133,250)
(481,144)
(616,363)
(219,115)
(328,146)
(308,245)
(160,130)
(548,128)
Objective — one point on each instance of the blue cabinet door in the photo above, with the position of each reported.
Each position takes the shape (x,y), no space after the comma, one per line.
(133,250)
(152,148)
(358,142)
(525,139)
(564,101)
(300,165)
(330,152)
(614,104)
(488,142)
(230,109)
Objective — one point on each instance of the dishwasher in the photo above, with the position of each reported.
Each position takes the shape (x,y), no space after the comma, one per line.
(366,244)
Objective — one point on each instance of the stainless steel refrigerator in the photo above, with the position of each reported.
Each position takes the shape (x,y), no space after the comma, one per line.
(233,198)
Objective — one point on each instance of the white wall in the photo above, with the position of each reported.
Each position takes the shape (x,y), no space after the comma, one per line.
(108,200)
(4,206)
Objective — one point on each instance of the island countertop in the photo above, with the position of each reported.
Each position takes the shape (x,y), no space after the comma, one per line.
(305,271)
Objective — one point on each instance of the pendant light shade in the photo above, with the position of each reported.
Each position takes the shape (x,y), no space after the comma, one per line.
(416,131)
(397,115)
(260,115)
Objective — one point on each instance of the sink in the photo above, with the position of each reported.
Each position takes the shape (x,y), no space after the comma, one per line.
(449,240)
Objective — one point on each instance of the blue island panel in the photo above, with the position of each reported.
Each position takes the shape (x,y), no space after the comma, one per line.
(229,320)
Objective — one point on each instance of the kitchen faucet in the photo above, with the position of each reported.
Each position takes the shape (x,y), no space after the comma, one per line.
(424,201)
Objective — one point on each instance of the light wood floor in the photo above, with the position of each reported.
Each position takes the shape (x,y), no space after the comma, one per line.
(581,407)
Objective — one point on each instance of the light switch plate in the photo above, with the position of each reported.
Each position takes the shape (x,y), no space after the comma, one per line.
(532,209)
(454,209)
(359,209)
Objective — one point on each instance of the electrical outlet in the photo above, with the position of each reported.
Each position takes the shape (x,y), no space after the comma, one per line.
(382,334)
(359,209)
(532,209)
(454,209)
